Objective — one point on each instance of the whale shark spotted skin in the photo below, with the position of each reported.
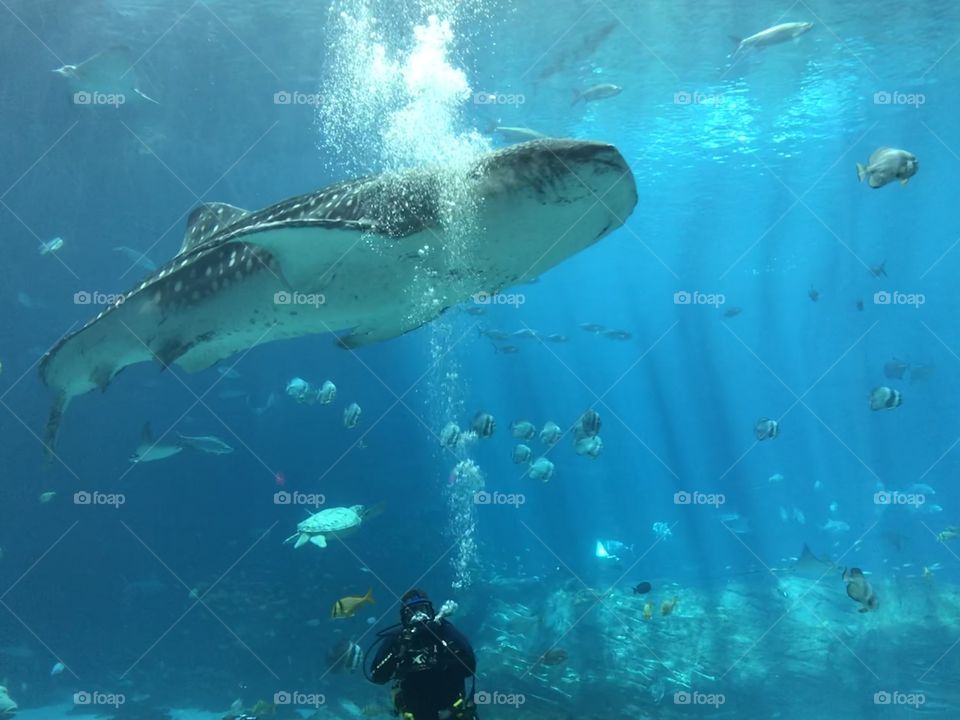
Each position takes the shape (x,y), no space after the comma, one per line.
(369,259)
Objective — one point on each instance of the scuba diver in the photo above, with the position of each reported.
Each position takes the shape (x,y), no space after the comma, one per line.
(428,660)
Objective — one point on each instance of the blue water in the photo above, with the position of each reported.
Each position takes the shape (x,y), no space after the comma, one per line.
(750,193)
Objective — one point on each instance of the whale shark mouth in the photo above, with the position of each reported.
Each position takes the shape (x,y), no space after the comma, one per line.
(369,259)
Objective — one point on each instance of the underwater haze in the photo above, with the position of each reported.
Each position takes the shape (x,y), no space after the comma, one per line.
(632,330)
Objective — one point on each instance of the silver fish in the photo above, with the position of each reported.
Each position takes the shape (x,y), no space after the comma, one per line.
(523,430)
(150,449)
(886,165)
(772,36)
(345,258)
(596,92)
(522,454)
(884,398)
(351,416)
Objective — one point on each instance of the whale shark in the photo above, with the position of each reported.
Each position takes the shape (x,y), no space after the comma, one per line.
(367,259)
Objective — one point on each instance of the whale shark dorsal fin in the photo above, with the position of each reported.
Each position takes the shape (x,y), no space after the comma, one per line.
(206,221)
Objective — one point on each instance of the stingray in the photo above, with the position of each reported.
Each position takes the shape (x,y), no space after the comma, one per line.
(369,259)
(810,566)
(108,74)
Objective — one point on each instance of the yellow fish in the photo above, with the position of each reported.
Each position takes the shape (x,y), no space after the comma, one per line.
(347,606)
(648,610)
(667,607)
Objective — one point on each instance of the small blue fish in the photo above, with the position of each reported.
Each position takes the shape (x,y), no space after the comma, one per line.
(57,669)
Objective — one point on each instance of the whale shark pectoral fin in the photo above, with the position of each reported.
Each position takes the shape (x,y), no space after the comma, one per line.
(383,330)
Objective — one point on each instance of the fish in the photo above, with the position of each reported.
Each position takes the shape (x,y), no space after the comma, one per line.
(609,549)
(506,349)
(884,398)
(859,304)
(525,333)
(596,92)
(895,368)
(555,656)
(648,610)
(617,334)
(667,606)
(138,258)
(589,446)
(475,310)
(206,443)
(541,469)
(879,270)
(523,430)
(766,429)
(582,47)
(517,134)
(109,73)
(351,416)
(494,334)
(243,278)
(484,425)
(775,478)
(860,590)
(8,707)
(799,516)
(346,656)
(948,534)
(521,454)
(551,433)
(886,165)
(46,497)
(327,392)
(348,605)
(592,328)
(150,449)
(450,435)
(736,524)
(556,338)
(813,294)
(771,36)
(642,588)
(732,312)
(811,567)
(58,667)
(229,373)
(51,246)
(588,425)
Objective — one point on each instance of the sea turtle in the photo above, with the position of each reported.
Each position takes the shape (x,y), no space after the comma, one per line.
(332,522)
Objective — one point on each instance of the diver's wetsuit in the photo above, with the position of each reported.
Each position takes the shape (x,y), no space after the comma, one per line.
(427,692)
